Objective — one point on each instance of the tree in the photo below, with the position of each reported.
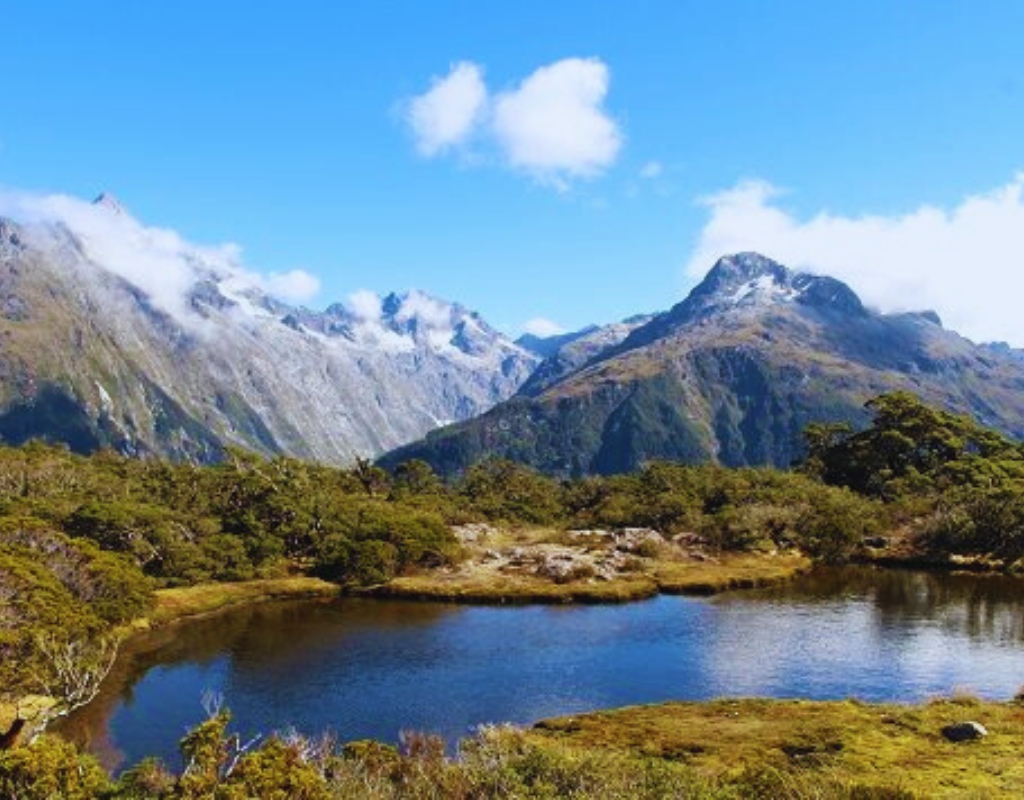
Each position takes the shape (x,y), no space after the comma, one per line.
(373,479)
(70,672)
(504,490)
(415,478)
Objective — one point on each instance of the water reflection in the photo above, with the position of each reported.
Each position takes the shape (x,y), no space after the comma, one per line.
(371,668)
(985,607)
(281,641)
(874,634)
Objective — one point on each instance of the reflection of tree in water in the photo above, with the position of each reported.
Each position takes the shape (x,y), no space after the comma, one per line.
(982,607)
(262,634)
(299,630)
(989,607)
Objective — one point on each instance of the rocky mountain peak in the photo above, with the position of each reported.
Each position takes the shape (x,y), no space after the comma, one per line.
(748,279)
(732,271)
(392,304)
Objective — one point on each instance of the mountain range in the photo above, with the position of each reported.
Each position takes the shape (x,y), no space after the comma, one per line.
(731,374)
(113,334)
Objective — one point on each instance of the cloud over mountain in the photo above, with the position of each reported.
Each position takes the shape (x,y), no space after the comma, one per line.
(541,326)
(965,262)
(159,261)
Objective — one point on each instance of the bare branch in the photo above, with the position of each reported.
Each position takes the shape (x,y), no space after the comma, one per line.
(213,703)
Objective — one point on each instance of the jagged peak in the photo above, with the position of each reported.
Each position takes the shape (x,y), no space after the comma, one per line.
(746,279)
(741,267)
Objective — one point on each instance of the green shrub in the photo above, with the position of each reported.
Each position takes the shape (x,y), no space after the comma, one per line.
(50,768)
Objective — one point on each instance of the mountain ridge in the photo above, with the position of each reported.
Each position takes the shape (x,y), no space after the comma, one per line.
(732,374)
(149,345)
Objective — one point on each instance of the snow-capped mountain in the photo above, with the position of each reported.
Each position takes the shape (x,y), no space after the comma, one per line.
(117,334)
(732,374)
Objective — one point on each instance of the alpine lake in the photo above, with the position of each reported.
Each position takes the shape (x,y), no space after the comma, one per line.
(371,668)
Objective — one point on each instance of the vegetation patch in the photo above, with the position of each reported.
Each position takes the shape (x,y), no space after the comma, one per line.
(191,601)
(88,545)
(891,747)
(723,750)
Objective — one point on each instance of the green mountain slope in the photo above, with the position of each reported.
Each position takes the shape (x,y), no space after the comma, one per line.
(733,374)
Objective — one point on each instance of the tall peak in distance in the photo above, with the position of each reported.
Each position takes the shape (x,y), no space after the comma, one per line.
(747,279)
(738,268)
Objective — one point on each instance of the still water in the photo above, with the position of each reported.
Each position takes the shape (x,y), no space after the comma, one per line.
(366,668)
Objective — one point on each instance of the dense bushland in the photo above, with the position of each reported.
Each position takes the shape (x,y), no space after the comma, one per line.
(955,486)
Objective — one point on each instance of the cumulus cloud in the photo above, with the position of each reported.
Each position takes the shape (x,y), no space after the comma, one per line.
(552,125)
(159,261)
(540,326)
(445,115)
(296,285)
(965,262)
(426,310)
(432,318)
(364,304)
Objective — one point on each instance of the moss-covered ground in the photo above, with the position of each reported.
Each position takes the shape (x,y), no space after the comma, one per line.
(892,746)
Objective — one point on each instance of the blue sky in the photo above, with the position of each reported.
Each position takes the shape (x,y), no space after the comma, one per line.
(288,128)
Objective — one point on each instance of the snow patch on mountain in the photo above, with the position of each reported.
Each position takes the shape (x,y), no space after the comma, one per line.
(762,289)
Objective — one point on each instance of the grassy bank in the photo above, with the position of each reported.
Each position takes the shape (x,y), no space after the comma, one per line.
(512,590)
(740,571)
(720,750)
(191,601)
(545,565)
(892,746)
(728,572)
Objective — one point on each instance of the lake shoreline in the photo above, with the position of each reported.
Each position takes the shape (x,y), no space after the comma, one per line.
(732,572)
(718,731)
(202,600)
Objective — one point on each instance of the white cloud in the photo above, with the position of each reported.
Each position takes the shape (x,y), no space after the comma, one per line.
(370,328)
(159,261)
(539,326)
(552,125)
(296,285)
(652,169)
(965,262)
(365,304)
(446,114)
(426,310)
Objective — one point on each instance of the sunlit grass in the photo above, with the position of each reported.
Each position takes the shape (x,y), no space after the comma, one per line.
(191,601)
(882,745)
